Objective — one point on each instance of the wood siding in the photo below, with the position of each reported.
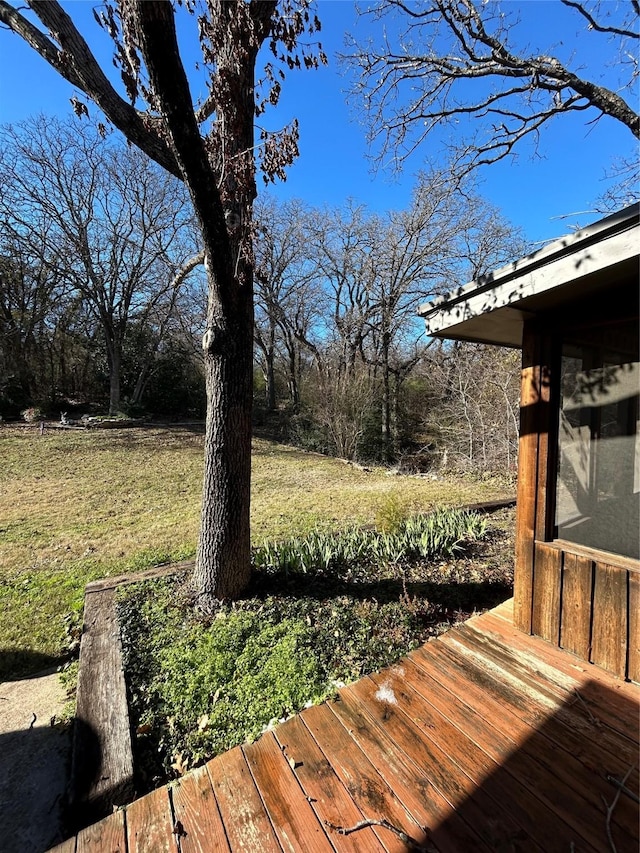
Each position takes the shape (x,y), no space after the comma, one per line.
(535,459)
(584,600)
(582,605)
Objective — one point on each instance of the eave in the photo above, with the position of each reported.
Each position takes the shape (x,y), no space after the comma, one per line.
(492,309)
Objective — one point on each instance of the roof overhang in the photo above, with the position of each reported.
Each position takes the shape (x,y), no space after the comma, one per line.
(492,309)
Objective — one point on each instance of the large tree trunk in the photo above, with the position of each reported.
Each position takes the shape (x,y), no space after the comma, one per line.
(223,564)
(270,372)
(223,204)
(114,360)
(387,435)
(114,383)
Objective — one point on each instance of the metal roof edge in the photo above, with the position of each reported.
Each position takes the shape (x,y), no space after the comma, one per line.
(614,223)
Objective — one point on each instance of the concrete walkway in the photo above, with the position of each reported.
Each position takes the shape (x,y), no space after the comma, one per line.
(34,764)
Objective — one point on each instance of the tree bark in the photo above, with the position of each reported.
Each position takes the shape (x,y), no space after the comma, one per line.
(223,564)
(387,440)
(294,372)
(114,380)
(270,378)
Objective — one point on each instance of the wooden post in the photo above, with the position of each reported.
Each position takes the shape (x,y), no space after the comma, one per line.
(535,471)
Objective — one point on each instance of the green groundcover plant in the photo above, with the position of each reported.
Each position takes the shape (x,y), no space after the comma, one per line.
(322,610)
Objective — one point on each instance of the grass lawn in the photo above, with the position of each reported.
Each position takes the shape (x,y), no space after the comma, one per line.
(78,505)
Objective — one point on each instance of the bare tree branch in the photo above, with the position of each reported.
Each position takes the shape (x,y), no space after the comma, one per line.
(454,60)
(155,25)
(71,57)
(593,24)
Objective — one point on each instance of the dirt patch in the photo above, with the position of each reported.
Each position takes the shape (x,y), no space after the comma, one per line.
(34,763)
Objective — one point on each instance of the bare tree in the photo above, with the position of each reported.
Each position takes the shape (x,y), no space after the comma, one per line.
(285,299)
(373,271)
(341,246)
(29,292)
(443,61)
(118,229)
(341,287)
(474,413)
(163,317)
(415,250)
(211,147)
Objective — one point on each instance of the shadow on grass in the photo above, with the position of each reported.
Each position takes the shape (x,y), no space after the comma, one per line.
(21,663)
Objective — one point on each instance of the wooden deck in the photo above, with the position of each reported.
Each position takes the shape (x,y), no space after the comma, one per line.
(484,739)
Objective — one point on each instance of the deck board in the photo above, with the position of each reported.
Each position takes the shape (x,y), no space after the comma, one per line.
(484,739)
(368,789)
(410,782)
(550,660)
(542,785)
(501,738)
(150,827)
(108,834)
(324,791)
(243,814)
(556,694)
(196,814)
(613,695)
(530,816)
(294,821)
(573,703)
(569,727)
(435,745)
(68,846)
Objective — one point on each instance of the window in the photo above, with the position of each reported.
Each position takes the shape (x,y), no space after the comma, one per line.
(598,487)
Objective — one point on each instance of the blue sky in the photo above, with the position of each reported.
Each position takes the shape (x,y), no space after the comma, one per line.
(539,194)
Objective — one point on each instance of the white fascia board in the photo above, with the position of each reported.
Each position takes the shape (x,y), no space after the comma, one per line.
(510,286)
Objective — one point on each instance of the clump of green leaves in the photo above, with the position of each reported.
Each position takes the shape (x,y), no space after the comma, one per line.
(441,533)
(229,681)
(438,534)
(391,514)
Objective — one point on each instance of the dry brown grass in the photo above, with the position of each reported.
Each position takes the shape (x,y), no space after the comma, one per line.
(76,505)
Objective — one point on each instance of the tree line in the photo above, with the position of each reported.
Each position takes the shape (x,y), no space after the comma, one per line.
(340,350)
(96,247)
(102,303)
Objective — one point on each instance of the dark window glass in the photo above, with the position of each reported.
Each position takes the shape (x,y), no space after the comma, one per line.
(598,491)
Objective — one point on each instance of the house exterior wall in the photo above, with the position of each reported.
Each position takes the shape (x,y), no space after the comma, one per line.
(579,598)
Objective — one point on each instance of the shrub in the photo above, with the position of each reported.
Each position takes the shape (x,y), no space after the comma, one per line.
(32,414)
(391,514)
